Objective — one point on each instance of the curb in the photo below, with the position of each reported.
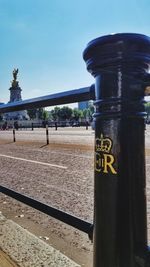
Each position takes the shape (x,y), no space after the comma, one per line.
(27,250)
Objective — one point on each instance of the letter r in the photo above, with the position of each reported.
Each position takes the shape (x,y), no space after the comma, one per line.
(108,163)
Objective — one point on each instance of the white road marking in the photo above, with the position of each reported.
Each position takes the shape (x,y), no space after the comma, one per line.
(33,161)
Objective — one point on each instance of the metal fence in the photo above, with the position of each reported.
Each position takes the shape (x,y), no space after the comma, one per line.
(72,96)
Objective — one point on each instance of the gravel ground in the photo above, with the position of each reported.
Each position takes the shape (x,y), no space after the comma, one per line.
(69,189)
(67,135)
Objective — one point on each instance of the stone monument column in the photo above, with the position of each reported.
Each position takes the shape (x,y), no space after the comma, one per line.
(15,95)
(15,90)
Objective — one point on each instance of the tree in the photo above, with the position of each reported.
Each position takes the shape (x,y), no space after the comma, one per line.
(65,113)
(86,113)
(55,113)
(45,115)
(35,113)
(50,117)
(40,113)
(32,113)
(77,113)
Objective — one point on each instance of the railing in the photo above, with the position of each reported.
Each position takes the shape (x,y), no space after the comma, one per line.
(120,63)
(72,96)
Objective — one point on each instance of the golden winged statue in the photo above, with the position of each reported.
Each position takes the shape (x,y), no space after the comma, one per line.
(15,72)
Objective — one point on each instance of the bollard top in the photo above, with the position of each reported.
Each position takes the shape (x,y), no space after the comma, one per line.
(118,50)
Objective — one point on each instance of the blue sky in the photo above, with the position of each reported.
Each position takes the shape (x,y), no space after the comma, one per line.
(45,39)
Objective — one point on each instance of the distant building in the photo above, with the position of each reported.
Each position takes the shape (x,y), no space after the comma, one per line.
(85,104)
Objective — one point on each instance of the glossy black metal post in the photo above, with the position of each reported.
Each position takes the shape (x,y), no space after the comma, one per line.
(120,65)
(47,135)
(14,136)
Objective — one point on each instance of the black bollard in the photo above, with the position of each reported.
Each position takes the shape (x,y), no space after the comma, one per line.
(87,124)
(14,135)
(120,64)
(47,135)
(32,126)
(56,126)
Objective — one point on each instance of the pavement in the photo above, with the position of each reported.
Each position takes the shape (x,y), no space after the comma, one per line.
(20,248)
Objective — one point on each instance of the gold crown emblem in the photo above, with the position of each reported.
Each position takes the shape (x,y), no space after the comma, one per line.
(103,144)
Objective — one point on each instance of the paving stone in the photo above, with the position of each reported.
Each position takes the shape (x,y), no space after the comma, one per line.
(27,250)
